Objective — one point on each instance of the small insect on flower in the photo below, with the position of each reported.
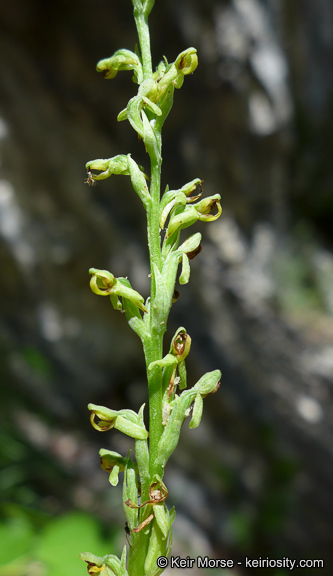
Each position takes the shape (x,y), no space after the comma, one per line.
(90,180)
(128,533)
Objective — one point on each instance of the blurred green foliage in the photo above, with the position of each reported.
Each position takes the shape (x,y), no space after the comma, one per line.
(52,549)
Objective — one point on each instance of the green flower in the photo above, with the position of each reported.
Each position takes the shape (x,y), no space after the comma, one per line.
(200,211)
(108,166)
(104,283)
(121,60)
(127,421)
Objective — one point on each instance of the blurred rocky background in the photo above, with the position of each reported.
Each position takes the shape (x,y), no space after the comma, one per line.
(255,122)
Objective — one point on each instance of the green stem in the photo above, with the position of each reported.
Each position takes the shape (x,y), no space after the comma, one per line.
(141,21)
(154,342)
(155,348)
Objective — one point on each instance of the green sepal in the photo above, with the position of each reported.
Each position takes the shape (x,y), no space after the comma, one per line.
(112,462)
(133,430)
(178,200)
(136,104)
(122,115)
(133,315)
(133,115)
(185,273)
(182,220)
(124,289)
(113,478)
(126,421)
(116,304)
(208,383)
(191,244)
(179,81)
(169,247)
(182,375)
(197,412)
(152,107)
(168,360)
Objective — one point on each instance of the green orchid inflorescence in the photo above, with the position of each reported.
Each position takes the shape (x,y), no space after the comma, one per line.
(148,519)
